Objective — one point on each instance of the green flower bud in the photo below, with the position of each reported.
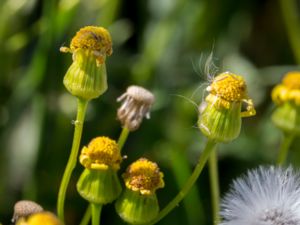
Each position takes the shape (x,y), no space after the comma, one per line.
(220,115)
(138,204)
(99,186)
(86,77)
(135,208)
(99,182)
(286,96)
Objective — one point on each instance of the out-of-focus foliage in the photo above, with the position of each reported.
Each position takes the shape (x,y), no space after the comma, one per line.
(162,45)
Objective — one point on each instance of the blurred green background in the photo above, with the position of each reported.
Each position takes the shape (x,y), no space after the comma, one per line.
(162,45)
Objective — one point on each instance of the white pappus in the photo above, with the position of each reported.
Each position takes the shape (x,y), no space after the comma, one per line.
(264,196)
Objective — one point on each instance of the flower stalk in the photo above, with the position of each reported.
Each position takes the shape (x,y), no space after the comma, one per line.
(210,145)
(96,213)
(214,185)
(284,148)
(81,110)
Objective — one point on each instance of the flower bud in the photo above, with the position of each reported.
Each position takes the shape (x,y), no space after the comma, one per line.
(220,116)
(138,204)
(99,182)
(86,77)
(136,105)
(287,98)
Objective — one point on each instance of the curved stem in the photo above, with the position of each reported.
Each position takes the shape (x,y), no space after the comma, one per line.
(81,109)
(96,213)
(214,185)
(123,137)
(284,148)
(86,217)
(291,19)
(210,145)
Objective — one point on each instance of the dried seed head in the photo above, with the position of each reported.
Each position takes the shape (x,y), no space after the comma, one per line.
(25,208)
(102,153)
(137,102)
(143,176)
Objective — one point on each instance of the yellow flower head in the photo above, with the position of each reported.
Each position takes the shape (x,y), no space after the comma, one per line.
(143,176)
(95,39)
(101,153)
(45,218)
(288,90)
(227,88)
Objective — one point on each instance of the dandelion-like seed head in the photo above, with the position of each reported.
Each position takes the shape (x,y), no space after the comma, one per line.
(265,196)
(136,104)
(92,38)
(100,154)
(143,176)
(25,208)
(45,218)
(288,90)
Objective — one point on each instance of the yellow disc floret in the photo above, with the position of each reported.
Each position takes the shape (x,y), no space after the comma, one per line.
(143,176)
(95,39)
(229,87)
(288,90)
(45,218)
(102,153)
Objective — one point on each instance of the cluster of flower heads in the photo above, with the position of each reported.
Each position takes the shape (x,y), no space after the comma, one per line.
(265,196)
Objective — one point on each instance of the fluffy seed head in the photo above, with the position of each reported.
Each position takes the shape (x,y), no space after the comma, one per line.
(25,208)
(265,196)
(288,90)
(100,154)
(143,176)
(136,105)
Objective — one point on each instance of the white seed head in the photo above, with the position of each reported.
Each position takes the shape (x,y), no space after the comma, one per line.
(25,208)
(265,196)
(136,104)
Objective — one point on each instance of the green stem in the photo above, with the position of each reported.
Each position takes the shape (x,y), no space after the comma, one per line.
(81,109)
(284,148)
(210,145)
(123,137)
(96,213)
(290,14)
(86,217)
(214,185)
